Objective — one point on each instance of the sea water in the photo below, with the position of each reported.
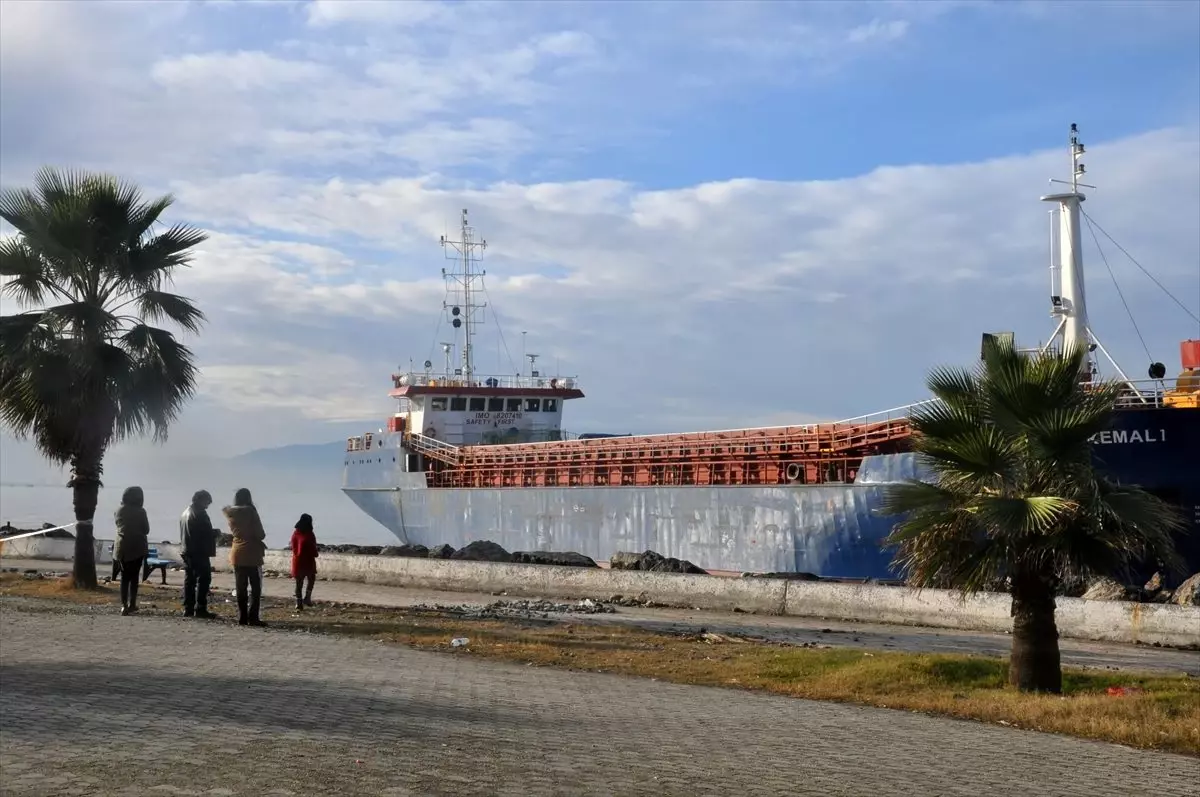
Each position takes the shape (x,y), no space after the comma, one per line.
(335,518)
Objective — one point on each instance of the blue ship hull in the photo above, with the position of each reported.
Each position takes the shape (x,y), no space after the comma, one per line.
(830,530)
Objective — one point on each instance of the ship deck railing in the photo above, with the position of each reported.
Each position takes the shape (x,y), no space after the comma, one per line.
(519,381)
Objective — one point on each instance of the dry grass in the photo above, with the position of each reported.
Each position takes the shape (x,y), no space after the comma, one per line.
(1164,714)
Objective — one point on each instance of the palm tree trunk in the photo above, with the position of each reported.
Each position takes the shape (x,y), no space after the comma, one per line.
(85,482)
(1035,665)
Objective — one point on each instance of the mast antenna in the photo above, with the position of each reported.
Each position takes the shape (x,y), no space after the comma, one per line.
(463,282)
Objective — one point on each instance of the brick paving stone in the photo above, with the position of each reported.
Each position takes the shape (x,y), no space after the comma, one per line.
(104,705)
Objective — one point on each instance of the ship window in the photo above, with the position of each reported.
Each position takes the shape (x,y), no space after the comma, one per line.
(514,405)
(532,405)
(549,405)
(496,405)
(458,404)
(478,404)
(437,403)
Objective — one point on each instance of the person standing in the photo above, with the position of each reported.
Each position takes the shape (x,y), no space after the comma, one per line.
(131,545)
(198,545)
(246,555)
(304,560)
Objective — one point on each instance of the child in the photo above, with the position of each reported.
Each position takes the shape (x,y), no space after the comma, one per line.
(304,560)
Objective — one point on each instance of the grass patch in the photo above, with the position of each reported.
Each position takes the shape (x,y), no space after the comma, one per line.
(1163,713)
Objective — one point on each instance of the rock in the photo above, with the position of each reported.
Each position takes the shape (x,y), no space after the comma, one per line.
(482,551)
(1155,583)
(1107,589)
(651,562)
(1071,585)
(1188,593)
(441,552)
(526,609)
(786,576)
(568,559)
(625,560)
(414,551)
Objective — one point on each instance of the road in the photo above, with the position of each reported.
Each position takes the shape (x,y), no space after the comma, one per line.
(98,704)
(791,630)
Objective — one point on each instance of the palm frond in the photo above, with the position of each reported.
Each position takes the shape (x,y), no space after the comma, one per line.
(27,282)
(956,387)
(1013,516)
(161,378)
(156,306)
(150,262)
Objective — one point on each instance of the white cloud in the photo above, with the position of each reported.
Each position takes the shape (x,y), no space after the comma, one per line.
(878,30)
(738,302)
(324,13)
(243,71)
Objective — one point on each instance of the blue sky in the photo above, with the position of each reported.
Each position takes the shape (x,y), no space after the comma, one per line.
(716,214)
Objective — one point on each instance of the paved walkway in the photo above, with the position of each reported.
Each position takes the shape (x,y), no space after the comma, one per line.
(97,704)
(791,630)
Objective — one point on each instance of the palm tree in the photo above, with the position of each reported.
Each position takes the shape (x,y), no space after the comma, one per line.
(82,367)
(1014,495)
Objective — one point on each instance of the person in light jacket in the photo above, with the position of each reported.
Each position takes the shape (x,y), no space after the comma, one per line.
(246,556)
(131,545)
(304,560)
(198,545)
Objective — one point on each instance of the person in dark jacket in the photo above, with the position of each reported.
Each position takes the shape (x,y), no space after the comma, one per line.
(304,560)
(246,555)
(198,545)
(132,544)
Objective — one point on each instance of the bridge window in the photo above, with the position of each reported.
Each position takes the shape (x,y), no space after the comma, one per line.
(458,404)
(438,404)
(532,405)
(478,404)
(495,405)
(549,405)
(514,405)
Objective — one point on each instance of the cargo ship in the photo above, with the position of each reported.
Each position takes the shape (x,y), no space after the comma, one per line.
(470,456)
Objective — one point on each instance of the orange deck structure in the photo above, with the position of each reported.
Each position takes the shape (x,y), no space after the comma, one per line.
(788,455)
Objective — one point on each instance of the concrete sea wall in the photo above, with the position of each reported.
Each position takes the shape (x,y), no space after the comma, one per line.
(1110,621)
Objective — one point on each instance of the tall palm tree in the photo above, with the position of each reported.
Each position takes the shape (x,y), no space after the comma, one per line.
(1014,495)
(83,367)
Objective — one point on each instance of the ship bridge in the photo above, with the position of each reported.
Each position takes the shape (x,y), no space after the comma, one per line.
(484,410)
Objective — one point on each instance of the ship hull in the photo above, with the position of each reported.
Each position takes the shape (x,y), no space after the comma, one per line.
(831,530)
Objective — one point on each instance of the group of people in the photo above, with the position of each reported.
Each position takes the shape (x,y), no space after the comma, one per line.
(198,545)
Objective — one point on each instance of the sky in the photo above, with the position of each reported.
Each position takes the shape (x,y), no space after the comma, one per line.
(715,215)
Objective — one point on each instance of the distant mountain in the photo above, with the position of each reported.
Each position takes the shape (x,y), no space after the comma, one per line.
(301,456)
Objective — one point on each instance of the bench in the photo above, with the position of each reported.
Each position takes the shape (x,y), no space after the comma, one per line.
(153,562)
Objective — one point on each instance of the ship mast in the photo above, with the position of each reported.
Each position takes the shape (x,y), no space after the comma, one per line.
(1069,301)
(465,252)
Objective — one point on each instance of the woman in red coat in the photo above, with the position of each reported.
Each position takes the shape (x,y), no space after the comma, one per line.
(304,559)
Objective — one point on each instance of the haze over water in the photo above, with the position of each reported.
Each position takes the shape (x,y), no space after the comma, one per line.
(306,484)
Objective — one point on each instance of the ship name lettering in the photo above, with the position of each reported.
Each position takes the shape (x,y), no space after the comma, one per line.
(1122,436)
